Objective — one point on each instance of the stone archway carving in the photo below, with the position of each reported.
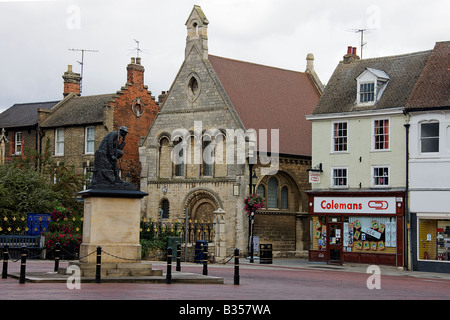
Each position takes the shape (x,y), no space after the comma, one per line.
(201,204)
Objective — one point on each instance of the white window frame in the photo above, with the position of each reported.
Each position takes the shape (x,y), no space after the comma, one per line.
(333,137)
(18,143)
(59,141)
(372,176)
(333,185)
(373,135)
(438,137)
(374,92)
(89,142)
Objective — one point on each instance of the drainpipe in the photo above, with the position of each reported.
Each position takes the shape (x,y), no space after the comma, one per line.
(407,234)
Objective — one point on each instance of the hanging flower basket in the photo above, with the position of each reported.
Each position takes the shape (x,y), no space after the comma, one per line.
(253,203)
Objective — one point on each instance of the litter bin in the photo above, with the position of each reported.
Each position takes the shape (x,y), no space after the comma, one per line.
(265,253)
(198,258)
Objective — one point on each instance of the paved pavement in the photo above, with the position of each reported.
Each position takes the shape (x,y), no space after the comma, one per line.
(284,280)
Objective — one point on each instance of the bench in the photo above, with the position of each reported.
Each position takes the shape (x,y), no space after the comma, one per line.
(16,242)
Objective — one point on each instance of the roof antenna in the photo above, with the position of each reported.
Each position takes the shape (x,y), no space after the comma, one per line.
(82,62)
(362,38)
(137,49)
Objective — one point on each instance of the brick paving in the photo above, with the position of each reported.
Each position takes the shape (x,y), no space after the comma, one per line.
(283,280)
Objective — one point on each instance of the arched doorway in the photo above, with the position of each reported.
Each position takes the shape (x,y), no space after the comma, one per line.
(201,204)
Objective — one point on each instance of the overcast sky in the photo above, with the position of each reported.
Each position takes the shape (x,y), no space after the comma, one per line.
(35,38)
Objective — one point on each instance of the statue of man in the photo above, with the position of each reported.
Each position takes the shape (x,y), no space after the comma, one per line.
(110,150)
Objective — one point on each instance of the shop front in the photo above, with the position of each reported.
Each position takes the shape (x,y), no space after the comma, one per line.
(360,227)
(430,230)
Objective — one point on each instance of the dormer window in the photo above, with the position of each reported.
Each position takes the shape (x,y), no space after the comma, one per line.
(371,84)
(366,92)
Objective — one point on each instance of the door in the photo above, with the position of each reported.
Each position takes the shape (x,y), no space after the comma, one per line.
(334,242)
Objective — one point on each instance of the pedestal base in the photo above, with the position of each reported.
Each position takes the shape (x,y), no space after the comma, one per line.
(109,269)
(111,221)
(115,253)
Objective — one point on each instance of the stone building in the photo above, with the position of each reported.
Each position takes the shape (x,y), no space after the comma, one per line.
(228,128)
(77,124)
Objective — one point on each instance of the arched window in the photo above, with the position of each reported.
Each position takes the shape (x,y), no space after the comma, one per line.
(272,193)
(284,198)
(178,158)
(208,158)
(262,192)
(165,206)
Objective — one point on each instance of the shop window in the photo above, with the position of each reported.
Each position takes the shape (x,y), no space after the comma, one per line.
(318,232)
(272,201)
(429,137)
(433,240)
(370,234)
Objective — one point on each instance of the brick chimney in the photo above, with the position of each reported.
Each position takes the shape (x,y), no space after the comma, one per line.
(72,82)
(135,72)
(351,55)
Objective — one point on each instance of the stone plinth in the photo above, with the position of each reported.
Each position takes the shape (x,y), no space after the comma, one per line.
(111,221)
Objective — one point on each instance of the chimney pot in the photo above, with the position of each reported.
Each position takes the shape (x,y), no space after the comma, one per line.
(133,60)
(354,51)
(138,60)
(349,50)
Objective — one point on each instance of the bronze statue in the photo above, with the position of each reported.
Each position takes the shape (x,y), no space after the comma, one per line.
(106,172)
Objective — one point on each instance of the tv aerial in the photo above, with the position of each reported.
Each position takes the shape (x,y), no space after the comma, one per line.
(138,49)
(362,43)
(82,62)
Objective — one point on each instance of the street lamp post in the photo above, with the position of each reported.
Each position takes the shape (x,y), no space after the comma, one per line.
(252,215)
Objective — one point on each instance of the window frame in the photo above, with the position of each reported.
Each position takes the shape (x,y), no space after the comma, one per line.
(17,143)
(373,177)
(334,137)
(433,137)
(269,196)
(375,135)
(372,94)
(333,178)
(59,142)
(86,141)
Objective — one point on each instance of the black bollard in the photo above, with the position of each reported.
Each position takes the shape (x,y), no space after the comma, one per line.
(57,254)
(5,262)
(178,257)
(205,259)
(169,266)
(23,264)
(236,266)
(98,269)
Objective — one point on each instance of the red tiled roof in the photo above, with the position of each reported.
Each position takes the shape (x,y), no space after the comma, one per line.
(432,89)
(270,98)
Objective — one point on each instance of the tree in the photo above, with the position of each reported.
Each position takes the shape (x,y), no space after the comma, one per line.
(23,190)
